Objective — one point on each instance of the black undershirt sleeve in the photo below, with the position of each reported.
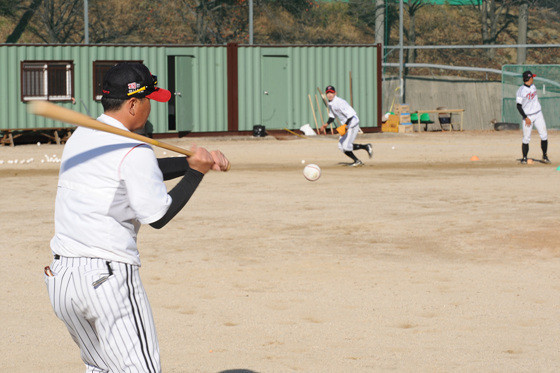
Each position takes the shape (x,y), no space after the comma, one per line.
(173,167)
(180,195)
(520,109)
(330,120)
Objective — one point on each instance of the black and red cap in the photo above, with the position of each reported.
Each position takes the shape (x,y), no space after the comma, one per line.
(126,80)
(330,88)
(528,75)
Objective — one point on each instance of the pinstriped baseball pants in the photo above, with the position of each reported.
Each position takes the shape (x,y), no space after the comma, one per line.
(107,313)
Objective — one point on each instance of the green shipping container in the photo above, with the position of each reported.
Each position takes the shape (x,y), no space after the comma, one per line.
(215,88)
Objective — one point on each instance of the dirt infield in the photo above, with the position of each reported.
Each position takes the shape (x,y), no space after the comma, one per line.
(420,261)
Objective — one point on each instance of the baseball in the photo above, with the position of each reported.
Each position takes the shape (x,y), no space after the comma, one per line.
(312,172)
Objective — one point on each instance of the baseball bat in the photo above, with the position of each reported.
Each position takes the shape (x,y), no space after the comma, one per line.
(351,98)
(313,110)
(52,111)
(319,110)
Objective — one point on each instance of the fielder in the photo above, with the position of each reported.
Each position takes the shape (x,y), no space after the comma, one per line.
(530,109)
(108,187)
(347,115)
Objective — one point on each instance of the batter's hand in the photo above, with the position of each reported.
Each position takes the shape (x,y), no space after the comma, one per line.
(221,163)
(203,161)
(527,121)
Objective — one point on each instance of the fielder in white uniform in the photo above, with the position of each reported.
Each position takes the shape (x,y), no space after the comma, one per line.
(346,115)
(529,107)
(108,187)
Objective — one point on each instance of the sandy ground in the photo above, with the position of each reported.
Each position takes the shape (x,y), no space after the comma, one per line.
(420,261)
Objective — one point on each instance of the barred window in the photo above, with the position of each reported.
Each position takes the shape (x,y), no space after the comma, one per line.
(47,80)
(99,70)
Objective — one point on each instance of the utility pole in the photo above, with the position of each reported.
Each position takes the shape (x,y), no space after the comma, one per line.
(86,23)
(380,22)
(401,77)
(251,22)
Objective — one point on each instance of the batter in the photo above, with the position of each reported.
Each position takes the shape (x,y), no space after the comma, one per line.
(108,187)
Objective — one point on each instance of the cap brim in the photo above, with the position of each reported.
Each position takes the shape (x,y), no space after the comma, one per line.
(160,95)
(331,91)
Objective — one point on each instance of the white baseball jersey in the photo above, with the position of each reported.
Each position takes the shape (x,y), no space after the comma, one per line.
(343,111)
(346,114)
(108,186)
(527,97)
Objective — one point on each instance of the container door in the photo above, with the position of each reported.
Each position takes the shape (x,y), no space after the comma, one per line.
(275,104)
(183,95)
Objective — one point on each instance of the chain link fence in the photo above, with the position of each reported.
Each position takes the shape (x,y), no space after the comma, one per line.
(547,82)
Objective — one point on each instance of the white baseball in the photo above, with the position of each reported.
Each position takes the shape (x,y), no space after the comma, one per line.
(312,172)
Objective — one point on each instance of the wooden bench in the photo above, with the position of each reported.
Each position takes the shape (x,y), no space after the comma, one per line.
(57,134)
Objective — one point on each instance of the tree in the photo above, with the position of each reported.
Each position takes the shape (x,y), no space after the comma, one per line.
(60,20)
(522,30)
(380,22)
(494,19)
(211,21)
(294,7)
(111,21)
(412,7)
(8,8)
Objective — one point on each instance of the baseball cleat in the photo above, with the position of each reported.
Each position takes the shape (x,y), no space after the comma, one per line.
(369,150)
(523,161)
(357,163)
(545,159)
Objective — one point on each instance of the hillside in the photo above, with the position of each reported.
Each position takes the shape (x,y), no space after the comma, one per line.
(314,23)
(448,25)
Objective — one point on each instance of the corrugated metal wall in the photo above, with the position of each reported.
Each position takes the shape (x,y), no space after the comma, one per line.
(309,68)
(208,85)
(14,114)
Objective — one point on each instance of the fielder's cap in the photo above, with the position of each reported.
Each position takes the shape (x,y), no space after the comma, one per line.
(528,75)
(126,80)
(330,88)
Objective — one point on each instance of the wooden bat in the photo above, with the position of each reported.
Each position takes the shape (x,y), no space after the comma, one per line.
(319,110)
(351,99)
(313,110)
(52,111)
(327,106)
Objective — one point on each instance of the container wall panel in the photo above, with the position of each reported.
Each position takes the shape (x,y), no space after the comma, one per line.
(250,92)
(311,68)
(14,114)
